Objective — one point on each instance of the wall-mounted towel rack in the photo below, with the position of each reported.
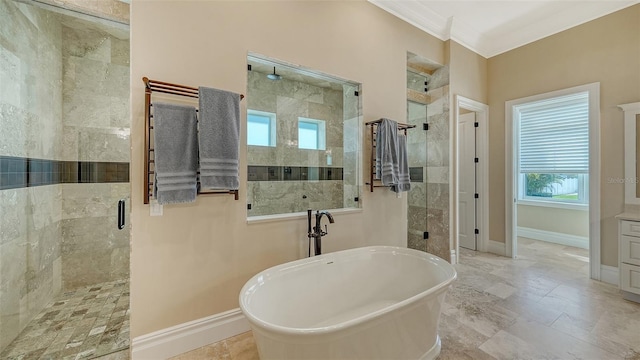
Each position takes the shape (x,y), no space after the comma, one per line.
(155,86)
(374,126)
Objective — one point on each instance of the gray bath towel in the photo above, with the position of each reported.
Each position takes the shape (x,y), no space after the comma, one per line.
(387,152)
(175,153)
(404,182)
(219,139)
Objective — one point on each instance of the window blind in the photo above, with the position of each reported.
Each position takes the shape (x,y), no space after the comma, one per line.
(554,135)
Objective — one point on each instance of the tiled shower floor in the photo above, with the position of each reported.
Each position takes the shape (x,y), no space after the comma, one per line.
(81,324)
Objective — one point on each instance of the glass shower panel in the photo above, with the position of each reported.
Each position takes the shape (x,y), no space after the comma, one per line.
(64,164)
(417,155)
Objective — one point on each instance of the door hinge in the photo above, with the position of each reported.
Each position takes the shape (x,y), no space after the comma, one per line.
(476,124)
(425,126)
(477,231)
(476,160)
(425,235)
(248,206)
(249,67)
(477,196)
(356,93)
(356,199)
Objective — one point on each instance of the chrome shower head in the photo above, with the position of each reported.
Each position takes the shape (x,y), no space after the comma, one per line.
(274,76)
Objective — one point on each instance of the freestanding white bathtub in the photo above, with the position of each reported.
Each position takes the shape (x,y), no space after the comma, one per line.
(375,302)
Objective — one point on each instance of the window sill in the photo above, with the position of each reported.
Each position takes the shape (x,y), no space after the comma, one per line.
(554,204)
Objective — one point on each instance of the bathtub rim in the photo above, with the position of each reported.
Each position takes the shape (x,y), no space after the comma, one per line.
(443,286)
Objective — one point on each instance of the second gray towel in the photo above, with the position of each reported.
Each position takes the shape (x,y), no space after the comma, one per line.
(219,139)
(404,181)
(175,153)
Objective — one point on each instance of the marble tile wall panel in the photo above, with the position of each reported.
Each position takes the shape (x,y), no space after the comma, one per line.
(416,240)
(30,96)
(418,195)
(439,78)
(350,168)
(276,197)
(95,95)
(30,273)
(352,106)
(93,249)
(290,99)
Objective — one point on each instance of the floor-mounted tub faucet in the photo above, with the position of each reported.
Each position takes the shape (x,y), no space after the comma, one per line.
(317,233)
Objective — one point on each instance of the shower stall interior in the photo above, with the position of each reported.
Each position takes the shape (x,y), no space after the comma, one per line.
(64,165)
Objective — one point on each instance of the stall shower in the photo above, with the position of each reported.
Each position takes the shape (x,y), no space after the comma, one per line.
(64,165)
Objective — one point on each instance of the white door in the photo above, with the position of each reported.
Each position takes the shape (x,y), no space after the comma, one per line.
(467,181)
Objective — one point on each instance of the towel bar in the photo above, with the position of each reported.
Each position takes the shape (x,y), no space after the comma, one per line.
(374,124)
(152,86)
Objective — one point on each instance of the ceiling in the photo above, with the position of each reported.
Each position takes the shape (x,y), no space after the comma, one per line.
(492,27)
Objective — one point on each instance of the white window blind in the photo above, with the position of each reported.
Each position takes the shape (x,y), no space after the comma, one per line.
(554,135)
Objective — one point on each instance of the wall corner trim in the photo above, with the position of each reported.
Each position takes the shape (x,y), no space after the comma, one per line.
(188,336)
(497,248)
(609,274)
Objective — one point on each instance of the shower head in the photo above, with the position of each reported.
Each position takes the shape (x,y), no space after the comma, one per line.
(274,76)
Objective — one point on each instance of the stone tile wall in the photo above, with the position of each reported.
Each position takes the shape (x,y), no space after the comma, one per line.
(289,99)
(30,126)
(95,113)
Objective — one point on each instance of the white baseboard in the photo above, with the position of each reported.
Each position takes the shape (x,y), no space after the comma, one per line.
(554,237)
(165,343)
(609,274)
(497,248)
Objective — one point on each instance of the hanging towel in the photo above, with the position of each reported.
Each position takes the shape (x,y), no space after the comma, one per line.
(404,182)
(175,153)
(387,152)
(219,139)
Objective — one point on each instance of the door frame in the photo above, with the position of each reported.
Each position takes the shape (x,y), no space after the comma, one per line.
(482,149)
(511,165)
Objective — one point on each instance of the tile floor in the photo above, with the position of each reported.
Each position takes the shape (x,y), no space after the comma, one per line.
(81,324)
(539,306)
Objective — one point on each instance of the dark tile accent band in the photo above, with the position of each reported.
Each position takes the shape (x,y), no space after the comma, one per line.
(293,173)
(18,172)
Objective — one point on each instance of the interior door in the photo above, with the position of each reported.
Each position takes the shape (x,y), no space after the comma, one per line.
(467,181)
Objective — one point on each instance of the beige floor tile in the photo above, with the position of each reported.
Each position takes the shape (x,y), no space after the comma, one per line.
(242,347)
(556,343)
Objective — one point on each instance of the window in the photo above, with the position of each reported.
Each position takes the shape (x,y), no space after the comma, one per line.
(311,134)
(554,149)
(261,128)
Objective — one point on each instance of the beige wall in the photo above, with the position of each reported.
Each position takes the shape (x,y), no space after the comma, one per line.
(605,50)
(192,262)
(563,221)
(469,74)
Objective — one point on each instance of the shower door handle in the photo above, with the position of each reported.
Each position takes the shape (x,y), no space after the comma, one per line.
(121,214)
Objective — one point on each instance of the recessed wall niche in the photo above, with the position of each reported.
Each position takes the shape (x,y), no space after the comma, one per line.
(303,139)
